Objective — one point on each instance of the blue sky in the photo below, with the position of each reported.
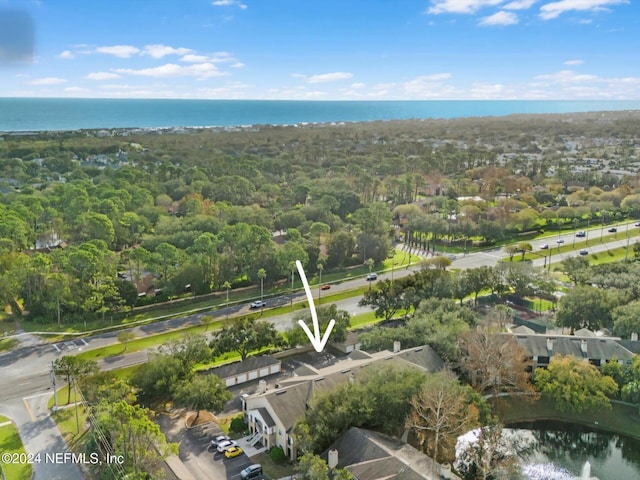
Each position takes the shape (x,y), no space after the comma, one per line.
(333,50)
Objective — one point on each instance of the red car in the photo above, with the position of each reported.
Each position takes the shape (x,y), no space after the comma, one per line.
(325,287)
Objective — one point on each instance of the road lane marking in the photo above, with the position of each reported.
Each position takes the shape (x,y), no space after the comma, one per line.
(36,395)
(26,405)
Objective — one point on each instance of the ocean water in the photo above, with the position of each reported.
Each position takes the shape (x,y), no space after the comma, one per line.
(37,114)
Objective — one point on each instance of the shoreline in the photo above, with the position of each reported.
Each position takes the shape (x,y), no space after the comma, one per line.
(182,129)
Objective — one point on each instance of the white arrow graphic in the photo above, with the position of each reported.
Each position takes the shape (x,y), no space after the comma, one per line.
(317,341)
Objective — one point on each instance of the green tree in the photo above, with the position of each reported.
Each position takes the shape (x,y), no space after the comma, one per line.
(626,319)
(203,392)
(124,337)
(189,349)
(73,368)
(577,269)
(325,315)
(385,299)
(244,336)
(340,248)
(134,435)
(312,467)
(160,376)
(575,385)
(584,307)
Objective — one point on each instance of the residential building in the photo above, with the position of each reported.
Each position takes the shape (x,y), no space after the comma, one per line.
(273,413)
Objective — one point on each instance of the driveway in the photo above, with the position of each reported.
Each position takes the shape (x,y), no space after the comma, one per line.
(197,454)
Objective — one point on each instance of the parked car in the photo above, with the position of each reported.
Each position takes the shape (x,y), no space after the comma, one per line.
(584,252)
(233,452)
(581,233)
(325,287)
(612,230)
(252,471)
(372,276)
(544,246)
(258,304)
(222,446)
(219,439)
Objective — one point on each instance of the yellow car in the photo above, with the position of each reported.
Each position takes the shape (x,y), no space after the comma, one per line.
(233,452)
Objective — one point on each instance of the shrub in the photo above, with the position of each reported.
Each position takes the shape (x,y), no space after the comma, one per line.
(277,455)
(238,425)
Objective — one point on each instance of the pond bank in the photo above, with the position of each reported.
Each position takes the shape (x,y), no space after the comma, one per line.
(622,418)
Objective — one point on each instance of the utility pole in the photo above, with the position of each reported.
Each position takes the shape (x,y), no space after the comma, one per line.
(75,391)
(55,394)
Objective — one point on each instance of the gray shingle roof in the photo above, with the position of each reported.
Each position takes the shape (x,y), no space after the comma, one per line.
(238,368)
(598,348)
(370,456)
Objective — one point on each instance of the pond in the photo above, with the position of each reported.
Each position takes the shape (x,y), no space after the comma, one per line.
(562,449)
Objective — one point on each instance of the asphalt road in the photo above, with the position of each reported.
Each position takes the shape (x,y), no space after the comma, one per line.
(24,372)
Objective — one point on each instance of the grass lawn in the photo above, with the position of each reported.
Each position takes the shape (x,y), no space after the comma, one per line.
(66,420)
(364,319)
(272,470)
(620,419)
(10,442)
(63,394)
(7,344)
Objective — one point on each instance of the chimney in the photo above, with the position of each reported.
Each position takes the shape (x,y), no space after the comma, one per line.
(396,346)
(583,346)
(333,459)
(634,336)
(550,344)
(262,386)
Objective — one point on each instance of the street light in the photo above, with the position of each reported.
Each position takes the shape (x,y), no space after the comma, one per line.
(320,268)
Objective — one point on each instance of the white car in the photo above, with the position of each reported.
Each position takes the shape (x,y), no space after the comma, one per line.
(372,276)
(219,439)
(258,304)
(222,446)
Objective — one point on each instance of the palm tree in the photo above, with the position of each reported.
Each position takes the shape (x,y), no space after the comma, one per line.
(370,263)
(262,274)
(226,285)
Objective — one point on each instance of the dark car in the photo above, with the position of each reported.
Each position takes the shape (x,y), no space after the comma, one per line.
(584,252)
(325,287)
(581,233)
(252,471)
(560,240)
(612,230)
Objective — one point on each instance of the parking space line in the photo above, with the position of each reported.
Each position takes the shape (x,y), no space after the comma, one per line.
(56,347)
(84,341)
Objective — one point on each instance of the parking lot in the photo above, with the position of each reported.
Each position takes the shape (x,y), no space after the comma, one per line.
(69,345)
(198,443)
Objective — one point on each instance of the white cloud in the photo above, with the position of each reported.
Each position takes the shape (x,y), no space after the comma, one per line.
(554,9)
(67,55)
(329,77)
(358,85)
(76,90)
(229,3)
(460,6)
(47,81)
(193,58)
(121,51)
(519,4)
(574,62)
(237,65)
(102,76)
(426,86)
(159,51)
(198,70)
(499,18)
(567,76)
